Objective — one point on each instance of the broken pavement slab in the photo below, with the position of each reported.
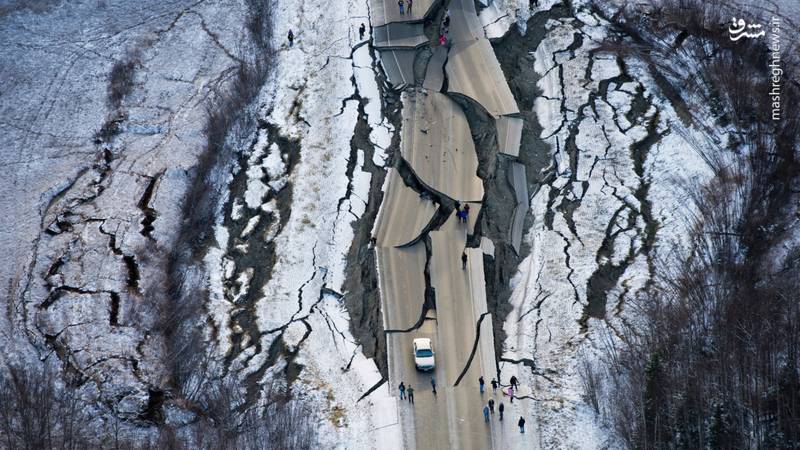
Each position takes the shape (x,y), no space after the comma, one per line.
(399,66)
(403,214)
(398,36)
(434,74)
(464,23)
(509,135)
(517,180)
(473,71)
(437,144)
(461,302)
(402,284)
(383,12)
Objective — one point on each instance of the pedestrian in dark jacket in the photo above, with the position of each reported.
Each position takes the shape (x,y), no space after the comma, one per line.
(462,213)
(500,409)
(410,391)
(514,382)
(464,260)
(361,30)
(401,4)
(494,385)
(521,424)
(410,4)
(433,385)
(491,405)
(402,391)
(481,383)
(290,36)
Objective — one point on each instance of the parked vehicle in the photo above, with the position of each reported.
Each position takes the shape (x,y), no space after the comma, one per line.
(423,354)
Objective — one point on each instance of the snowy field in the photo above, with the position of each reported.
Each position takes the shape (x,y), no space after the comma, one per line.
(83,209)
(313,99)
(622,160)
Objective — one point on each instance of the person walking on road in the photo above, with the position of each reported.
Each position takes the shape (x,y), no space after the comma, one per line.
(410,394)
(491,405)
(433,385)
(500,409)
(486,413)
(462,213)
(464,260)
(521,424)
(494,385)
(290,36)
(401,4)
(481,383)
(361,30)
(510,392)
(410,4)
(514,382)
(402,391)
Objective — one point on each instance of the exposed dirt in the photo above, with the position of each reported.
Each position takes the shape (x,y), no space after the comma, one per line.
(361,294)
(259,256)
(514,54)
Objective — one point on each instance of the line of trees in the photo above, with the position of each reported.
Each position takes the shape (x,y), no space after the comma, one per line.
(38,411)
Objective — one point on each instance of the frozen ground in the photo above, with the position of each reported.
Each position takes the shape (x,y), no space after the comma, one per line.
(91,182)
(310,110)
(613,203)
(94,189)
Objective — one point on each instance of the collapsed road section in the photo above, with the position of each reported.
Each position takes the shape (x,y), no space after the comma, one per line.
(431,278)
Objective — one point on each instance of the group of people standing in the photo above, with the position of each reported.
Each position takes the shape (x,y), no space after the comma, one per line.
(408,392)
(488,408)
(402,4)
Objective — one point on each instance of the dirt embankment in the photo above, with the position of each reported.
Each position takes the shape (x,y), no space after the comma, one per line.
(514,52)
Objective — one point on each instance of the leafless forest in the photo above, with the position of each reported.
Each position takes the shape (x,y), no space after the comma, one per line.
(714,362)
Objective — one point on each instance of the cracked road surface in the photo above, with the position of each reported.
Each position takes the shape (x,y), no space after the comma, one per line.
(438,145)
(465,62)
(425,292)
(387,11)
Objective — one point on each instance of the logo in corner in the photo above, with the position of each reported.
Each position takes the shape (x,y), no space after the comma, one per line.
(739,29)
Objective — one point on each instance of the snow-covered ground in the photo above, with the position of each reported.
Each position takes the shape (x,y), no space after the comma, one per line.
(77,206)
(312,98)
(615,205)
(74,214)
(75,198)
